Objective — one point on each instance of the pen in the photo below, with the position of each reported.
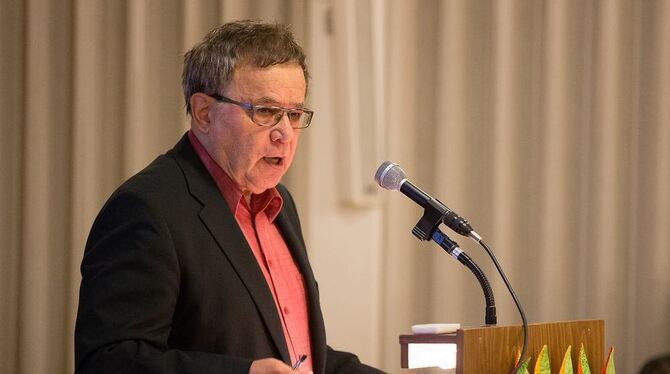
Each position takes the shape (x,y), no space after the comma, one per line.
(300,361)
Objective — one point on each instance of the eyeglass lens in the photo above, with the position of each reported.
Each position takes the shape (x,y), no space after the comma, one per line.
(269,116)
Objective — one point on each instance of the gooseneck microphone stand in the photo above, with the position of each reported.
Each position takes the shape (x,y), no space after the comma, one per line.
(428,228)
(452,248)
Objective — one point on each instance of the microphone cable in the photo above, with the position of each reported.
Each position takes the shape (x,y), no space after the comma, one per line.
(516,301)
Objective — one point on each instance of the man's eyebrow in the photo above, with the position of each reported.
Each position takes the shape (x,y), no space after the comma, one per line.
(270,101)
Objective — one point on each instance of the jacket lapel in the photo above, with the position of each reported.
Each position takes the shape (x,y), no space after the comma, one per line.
(221,224)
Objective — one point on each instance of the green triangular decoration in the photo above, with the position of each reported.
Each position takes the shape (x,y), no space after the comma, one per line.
(542,365)
(583,362)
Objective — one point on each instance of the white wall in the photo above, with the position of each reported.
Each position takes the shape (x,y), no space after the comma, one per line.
(344,242)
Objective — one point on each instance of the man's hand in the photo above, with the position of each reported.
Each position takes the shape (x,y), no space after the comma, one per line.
(269,366)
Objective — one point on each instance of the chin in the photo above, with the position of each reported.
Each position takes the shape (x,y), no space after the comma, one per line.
(263,187)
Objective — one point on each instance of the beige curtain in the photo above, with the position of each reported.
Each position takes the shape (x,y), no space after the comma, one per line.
(545,123)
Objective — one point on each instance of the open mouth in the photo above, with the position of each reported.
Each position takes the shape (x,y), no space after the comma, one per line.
(273,160)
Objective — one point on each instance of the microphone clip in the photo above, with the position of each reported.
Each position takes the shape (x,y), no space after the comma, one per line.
(429,222)
(435,214)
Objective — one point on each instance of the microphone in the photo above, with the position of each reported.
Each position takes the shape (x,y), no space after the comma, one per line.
(391,177)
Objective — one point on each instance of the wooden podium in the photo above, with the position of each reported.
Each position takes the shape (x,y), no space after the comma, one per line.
(494,349)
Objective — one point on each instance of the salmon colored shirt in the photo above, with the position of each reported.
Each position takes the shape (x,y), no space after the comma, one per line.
(271,252)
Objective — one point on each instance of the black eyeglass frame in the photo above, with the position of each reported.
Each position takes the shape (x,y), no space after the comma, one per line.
(251,110)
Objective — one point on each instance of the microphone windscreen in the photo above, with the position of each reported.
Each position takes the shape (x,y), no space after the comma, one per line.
(390,175)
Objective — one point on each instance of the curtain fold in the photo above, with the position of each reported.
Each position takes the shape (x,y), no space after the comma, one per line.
(611,155)
(648,287)
(559,198)
(401,268)
(11,180)
(46,173)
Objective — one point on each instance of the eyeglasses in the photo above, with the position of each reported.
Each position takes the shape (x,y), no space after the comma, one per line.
(268,115)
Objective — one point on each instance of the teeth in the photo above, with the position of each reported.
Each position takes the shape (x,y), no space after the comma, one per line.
(273,160)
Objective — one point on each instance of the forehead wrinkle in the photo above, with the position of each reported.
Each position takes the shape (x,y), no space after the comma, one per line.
(271,101)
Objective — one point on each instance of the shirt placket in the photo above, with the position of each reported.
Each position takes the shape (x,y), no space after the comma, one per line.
(274,267)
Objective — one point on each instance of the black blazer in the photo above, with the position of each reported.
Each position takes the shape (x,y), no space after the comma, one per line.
(170,285)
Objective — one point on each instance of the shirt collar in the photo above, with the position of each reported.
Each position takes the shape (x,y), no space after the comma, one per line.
(269,201)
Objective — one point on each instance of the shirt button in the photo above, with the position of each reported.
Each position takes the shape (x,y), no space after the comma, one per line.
(285,310)
(269,263)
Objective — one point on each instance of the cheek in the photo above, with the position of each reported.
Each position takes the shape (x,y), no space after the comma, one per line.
(296,135)
(244,154)
(237,146)
(294,142)
(249,152)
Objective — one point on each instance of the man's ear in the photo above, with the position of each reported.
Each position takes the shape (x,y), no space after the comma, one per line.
(200,111)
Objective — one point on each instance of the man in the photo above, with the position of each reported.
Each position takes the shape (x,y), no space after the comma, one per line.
(197,264)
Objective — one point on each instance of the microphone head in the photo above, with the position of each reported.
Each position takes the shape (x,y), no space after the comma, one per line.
(390,175)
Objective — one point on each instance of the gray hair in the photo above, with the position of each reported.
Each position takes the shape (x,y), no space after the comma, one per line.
(210,64)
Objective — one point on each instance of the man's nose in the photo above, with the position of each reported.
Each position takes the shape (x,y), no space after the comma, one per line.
(282,131)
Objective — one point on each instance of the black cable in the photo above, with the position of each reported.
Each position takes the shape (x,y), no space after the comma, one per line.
(516,301)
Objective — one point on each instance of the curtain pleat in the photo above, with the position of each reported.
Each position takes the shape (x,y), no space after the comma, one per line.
(609,183)
(514,85)
(155,113)
(648,288)
(199,18)
(560,147)
(46,204)
(12,125)
(401,263)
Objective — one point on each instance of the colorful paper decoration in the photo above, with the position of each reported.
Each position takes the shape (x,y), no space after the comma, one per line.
(608,368)
(566,366)
(542,364)
(523,369)
(583,367)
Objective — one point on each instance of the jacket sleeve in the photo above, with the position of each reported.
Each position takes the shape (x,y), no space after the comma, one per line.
(129,289)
